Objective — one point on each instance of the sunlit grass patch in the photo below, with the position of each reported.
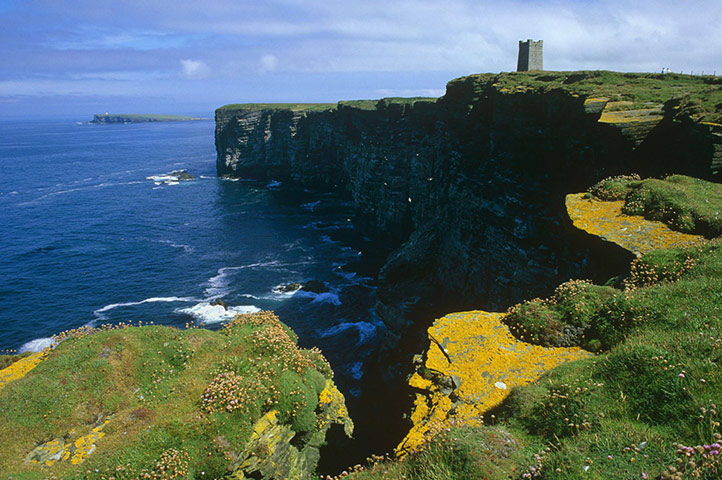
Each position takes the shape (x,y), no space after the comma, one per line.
(147,400)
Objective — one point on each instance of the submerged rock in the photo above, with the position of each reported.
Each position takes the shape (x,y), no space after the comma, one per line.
(287,288)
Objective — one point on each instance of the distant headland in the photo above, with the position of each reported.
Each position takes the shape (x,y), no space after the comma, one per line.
(139,118)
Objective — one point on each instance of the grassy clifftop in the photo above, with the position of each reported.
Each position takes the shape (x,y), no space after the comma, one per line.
(157,402)
(324,107)
(700,97)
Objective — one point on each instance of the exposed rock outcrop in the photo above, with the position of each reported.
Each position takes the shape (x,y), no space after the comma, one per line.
(471,364)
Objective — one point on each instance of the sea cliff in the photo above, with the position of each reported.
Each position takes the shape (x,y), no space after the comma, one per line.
(467,191)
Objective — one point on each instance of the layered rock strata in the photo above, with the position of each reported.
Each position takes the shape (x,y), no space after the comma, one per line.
(466,192)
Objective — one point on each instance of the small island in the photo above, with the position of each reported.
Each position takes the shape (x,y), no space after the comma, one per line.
(105,118)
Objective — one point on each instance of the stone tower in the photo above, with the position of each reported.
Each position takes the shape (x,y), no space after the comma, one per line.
(530,56)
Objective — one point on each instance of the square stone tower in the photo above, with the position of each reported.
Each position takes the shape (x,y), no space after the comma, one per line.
(530,56)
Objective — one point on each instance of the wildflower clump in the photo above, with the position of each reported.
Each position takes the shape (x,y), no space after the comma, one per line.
(613,188)
(657,267)
(173,463)
(563,410)
(569,317)
(702,461)
(225,392)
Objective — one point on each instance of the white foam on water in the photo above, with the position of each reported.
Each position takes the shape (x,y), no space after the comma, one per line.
(366,330)
(325,297)
(186,248)
(273,184)
(218,284)
(100,313)
(207,313)
(37,345)
(78,189)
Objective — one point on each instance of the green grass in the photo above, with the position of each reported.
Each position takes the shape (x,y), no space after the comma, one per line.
(686,204)
(163,390)
(698,96)
(323,107)
(384,102)
(310,107)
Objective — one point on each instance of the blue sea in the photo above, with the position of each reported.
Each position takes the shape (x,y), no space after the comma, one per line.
(95,230)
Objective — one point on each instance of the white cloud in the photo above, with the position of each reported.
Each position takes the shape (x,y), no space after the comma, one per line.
(268,63)
(194,69)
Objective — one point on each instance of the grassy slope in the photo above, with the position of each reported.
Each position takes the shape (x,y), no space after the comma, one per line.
(622,413)
(152,382)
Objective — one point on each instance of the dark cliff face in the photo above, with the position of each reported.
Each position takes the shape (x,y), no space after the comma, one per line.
(469,190)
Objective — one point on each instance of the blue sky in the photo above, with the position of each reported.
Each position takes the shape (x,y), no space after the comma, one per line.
(79,57)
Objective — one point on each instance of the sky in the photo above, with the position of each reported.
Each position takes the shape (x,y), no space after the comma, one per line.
(80,57)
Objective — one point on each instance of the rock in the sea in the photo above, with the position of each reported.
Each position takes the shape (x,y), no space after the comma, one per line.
(221,302)
(315,286)
(287,288)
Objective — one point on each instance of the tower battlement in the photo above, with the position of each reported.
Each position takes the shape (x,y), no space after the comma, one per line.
(530,56)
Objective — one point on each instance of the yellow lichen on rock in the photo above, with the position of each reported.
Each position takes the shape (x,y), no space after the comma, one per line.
(474,362)
(65,448)
(634,233)
(333,405)
(20,368)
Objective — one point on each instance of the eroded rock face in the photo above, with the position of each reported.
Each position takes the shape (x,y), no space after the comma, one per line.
(271,451)
(466,192)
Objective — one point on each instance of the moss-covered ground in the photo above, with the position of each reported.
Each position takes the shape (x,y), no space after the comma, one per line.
(647,406)
(157,402)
